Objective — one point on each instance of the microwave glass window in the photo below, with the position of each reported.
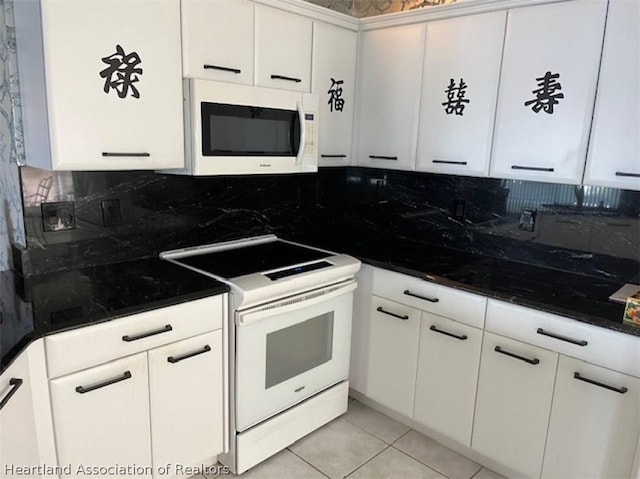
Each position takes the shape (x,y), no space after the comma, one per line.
(292,351)
(239,130)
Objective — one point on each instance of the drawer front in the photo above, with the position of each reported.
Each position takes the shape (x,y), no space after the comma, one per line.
(600,346)
(85,347)
(451,303)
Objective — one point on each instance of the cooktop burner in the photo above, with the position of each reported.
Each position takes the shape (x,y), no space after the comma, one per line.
(261,257)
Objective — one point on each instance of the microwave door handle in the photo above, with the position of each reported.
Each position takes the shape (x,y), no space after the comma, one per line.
(302,134)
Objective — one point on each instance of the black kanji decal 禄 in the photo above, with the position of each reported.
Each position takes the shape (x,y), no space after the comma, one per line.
(122,73)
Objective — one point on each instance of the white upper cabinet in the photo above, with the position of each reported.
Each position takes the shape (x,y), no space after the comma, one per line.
(389,96)
(459,93)
(334,81)
(614,148)
(113,93)
(547,91)
(217,40)
(283,49)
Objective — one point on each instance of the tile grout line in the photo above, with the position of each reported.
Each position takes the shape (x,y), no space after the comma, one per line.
(306,462)
(368,460)
(373,435)
(420,462)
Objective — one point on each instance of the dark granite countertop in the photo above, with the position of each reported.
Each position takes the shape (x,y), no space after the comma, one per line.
(34,306)
(580,297)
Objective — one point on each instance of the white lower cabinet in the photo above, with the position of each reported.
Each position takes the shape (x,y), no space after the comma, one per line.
(595,422)
(513,405)
(448,361)
(393,353)
(101,418)
(185,385)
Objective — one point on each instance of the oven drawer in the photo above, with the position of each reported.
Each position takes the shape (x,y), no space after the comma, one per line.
(451,303)
(601,346)
(88,346)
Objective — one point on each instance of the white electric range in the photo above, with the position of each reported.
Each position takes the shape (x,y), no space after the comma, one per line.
(289,339)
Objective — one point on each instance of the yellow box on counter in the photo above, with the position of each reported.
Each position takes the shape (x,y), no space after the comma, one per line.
(632,310)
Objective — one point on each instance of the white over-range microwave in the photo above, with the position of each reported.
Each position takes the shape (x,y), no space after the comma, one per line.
(238,129)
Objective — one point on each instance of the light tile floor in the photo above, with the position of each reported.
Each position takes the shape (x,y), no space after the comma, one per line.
(365,444)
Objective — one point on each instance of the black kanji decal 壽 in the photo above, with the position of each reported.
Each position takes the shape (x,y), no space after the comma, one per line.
(546,96)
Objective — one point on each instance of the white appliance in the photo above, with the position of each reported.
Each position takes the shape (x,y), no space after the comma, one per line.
(289,341)
(238,129)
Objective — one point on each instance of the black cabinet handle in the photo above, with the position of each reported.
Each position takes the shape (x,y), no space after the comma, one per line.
(224,69)
(404,318)
(629,175)
(436,330)
(166,329)
(281,77)
(531,168)
(333,156)
(619,225)
(498,349)
(177,359)
(15,384)
(409,293)
(449,162)
(376,157)
(621,390)
(109,382)
(120,154)
(579,342)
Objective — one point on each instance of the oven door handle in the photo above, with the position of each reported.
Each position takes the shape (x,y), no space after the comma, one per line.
(289,304)
(303,134)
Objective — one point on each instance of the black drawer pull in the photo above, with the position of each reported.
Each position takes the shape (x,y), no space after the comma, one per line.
(461,338)
(404,318)
(224,69)
(449,162)
(628,175)
(177,359)
(619,225)
(377,157)
(333,156)
(166,329)
(120,154)
(498,349)
(621,390)
(579,342)
(281,77)
(531,168)
(109,382)
(409,293)
(15,384)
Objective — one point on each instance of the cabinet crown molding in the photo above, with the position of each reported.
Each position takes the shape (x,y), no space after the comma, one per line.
(315,12)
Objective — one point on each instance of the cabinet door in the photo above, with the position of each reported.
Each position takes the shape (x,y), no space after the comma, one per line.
(459,93)
(448,362)
(18,434)
(187,406)
(614,148)
(389,96)
(547,91)
(393,354)
(114,86)
(595,422)
(217,40)
(101,417)
(333,79)
(513,405)
(283,49)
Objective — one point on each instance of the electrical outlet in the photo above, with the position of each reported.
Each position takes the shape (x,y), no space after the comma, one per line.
(58,216)
(527,220)
(459,210)
(111,215)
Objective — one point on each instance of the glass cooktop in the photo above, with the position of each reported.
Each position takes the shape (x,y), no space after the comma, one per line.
(236,262)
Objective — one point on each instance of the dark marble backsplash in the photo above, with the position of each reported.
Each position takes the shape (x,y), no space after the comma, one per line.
(117,216)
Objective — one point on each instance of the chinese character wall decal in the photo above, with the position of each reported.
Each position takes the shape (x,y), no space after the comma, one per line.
(455,98)
(121,74)
(335,92)
(546,98)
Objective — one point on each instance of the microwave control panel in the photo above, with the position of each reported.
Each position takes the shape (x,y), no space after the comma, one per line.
(311,140)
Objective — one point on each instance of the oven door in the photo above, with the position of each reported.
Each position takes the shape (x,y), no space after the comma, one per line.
(291,349)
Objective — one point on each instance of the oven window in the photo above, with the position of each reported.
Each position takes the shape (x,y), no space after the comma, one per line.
(292,351)
(240,130)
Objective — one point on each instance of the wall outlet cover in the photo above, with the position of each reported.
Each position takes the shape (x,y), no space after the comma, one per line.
(58,216)
(527,219)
